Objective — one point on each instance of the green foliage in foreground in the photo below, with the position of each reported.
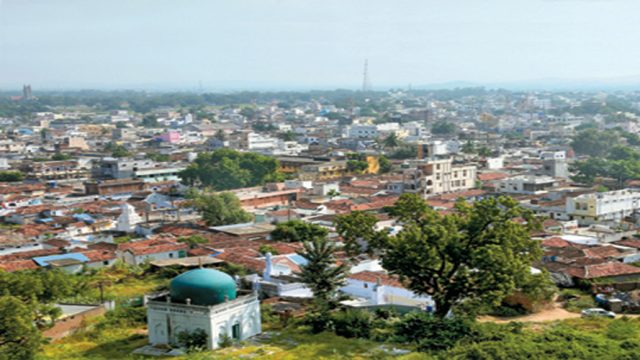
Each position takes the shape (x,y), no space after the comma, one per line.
(601,339)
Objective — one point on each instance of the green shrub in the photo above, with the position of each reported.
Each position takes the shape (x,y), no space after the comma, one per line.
(508,311)
(225,341)
(193,340)
(126,316)
(431,333)
(353,323)
(319,321)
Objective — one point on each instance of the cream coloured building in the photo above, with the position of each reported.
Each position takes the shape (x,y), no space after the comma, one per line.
(436,176)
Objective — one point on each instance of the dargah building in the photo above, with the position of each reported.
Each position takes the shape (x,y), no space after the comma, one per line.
(203,299)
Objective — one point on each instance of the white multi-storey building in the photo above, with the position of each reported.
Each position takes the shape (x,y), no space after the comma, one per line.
(526,184)
(611,206)
(361,131)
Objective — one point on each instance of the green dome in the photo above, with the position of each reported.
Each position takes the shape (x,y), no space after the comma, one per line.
(203,287)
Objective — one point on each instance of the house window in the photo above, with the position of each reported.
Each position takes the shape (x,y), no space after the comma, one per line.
(366,285)
(106,262)
(171,255)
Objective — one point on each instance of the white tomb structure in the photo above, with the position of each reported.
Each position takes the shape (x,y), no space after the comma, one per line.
(203,300)
(128,219)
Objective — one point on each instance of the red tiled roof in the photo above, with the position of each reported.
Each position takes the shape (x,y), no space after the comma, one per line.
(601,252)
(17,265)
(96,255)
(555,242)
(492,176)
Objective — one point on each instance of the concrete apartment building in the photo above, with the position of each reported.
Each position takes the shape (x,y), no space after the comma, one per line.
(435,176)
(611,206)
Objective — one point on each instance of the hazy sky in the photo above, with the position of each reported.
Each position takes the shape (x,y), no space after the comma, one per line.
(235,44)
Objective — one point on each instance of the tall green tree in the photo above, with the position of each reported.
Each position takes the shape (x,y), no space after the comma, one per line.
(384,164)
(357,166)
(443,128)
(594,142)
(479,254)
(219,209)
(297,231)
(355,228)
(321,273)
(468,147)
(19,337)
(150,121)
(391,141)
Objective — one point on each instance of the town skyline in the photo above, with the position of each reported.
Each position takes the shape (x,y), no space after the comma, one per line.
(280,45)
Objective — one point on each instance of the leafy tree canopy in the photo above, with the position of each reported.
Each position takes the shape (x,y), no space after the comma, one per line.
(479,254)
(297,230)
(10,176)
(443,128)
(219,209)
(226,169)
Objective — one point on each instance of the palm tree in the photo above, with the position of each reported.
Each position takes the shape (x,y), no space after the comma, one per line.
(321,273)
(391,141)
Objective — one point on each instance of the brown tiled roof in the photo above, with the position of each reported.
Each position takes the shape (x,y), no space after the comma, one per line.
(155,245)
(603,270)
(377,277)
(634,243)
(377,202)
(34,230)
(59,243)
(23,255)
(103,246)
(236,257)
(601,252)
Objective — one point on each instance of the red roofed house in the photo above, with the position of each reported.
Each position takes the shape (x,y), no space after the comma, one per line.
(156,248)
(612,271)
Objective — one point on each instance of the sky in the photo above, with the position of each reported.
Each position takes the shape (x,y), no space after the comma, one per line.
(314,44)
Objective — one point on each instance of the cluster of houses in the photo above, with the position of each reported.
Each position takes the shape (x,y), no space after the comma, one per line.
(98,187)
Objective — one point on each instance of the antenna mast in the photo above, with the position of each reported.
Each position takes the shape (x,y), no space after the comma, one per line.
(366,83)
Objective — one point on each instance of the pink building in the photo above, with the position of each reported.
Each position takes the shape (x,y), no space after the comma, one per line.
(171,136)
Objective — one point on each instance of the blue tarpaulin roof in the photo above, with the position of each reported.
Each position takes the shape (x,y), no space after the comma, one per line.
(44,260)
(299,260)
(84,217)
